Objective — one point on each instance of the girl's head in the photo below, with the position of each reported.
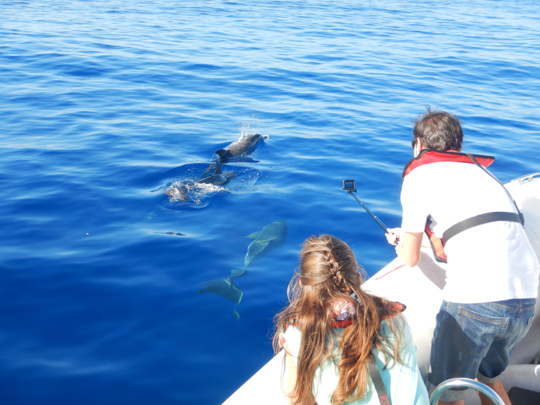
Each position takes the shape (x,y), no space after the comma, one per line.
(328,281)
(328,268)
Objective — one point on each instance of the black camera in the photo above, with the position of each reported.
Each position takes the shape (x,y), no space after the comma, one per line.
(349,185)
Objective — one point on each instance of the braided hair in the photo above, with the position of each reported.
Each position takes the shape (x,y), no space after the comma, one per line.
(329,272)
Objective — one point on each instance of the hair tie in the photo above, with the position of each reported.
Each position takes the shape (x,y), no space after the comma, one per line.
(354,297)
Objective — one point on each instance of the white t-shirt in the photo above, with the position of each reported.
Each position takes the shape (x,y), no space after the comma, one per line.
(487,263)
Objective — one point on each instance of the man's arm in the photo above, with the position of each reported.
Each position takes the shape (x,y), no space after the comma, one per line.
(409,248)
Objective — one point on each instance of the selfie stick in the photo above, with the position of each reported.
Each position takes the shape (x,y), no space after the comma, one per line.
(383,226)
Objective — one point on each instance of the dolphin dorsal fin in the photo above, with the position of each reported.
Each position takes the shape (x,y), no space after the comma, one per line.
(223,155)
(221,152)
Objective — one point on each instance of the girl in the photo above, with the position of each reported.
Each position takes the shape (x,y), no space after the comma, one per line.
(331,328)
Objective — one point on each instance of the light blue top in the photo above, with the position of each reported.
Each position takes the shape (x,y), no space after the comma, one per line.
(403,382)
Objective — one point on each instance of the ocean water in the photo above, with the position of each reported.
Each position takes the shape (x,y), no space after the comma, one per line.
(105,105)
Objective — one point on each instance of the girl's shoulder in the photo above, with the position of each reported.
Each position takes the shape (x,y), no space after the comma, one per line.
(293,337)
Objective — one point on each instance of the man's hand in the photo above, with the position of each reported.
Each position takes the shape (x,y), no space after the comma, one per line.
(393,236)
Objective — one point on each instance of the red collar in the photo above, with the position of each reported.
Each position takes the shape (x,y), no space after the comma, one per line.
(397,306)
(427,156)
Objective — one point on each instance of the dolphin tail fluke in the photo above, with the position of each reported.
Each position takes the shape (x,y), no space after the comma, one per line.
(215,286)
(222,287)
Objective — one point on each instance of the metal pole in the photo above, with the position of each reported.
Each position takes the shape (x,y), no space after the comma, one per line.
(383,226)
(465,383)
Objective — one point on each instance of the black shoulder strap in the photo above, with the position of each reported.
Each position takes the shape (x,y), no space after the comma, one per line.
(521,217)
(480,220)
(487,217)
(376,377)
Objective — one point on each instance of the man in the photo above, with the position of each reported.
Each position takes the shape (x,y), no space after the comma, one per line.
(492,273)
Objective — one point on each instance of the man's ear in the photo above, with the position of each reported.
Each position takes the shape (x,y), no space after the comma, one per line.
(418,146)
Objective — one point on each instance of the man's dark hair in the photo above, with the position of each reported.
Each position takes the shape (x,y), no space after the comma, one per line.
(439,130)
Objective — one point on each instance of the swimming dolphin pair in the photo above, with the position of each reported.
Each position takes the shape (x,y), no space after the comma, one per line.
(268,238)
(238,150)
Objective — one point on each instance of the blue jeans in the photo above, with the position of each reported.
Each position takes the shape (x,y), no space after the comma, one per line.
(476,340)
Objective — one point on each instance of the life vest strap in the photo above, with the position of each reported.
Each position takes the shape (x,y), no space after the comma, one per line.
(376,377)
(480,220)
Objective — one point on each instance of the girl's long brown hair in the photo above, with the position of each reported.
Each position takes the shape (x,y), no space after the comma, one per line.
(329,271)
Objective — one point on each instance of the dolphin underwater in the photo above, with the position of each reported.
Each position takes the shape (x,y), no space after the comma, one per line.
(226,288)
(239,149)
(270,237)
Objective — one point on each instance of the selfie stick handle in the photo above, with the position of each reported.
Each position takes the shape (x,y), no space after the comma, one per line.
(383,226)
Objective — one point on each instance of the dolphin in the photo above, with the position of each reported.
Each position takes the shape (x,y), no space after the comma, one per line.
(270,237)
(239,149)
(168,233)
(181,190)
(218,178)
(226,288)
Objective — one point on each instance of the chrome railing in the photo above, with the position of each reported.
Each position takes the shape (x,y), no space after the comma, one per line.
(465,383)
(527,178)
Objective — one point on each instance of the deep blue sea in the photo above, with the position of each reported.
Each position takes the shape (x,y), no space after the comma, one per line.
(104,105)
